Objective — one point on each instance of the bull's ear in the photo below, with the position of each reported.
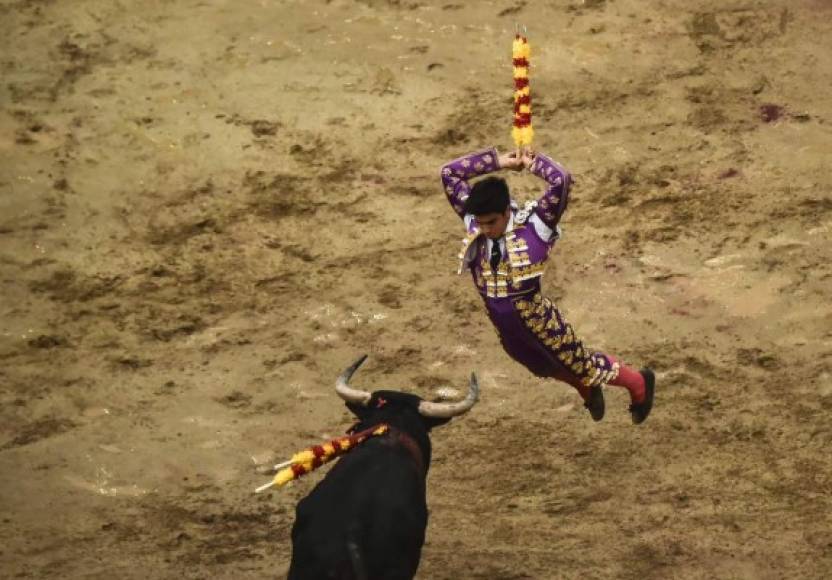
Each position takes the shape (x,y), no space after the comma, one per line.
(431,422)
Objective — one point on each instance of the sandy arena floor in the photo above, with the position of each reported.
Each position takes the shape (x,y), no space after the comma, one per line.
(208,209)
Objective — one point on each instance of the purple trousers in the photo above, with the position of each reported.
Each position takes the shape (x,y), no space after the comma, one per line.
(535,334)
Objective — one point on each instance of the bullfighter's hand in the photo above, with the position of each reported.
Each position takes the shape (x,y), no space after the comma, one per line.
(527,157)
(511,161)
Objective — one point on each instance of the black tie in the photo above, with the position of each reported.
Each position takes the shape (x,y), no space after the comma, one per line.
(496,254)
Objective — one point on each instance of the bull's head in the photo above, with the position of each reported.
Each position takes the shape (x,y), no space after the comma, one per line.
(435,413)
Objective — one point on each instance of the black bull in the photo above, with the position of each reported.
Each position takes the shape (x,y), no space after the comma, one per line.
(366,519)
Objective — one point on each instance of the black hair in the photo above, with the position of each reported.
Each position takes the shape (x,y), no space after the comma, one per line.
(489,195)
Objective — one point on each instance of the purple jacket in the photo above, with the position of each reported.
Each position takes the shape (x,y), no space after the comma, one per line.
(531,232)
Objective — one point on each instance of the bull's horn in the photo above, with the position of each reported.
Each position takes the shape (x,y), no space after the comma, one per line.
(345,391)
(447,410)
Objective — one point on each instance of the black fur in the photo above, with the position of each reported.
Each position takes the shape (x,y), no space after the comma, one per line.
(366,519)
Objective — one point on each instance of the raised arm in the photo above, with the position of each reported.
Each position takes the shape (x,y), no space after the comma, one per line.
(552,204)
(456,173)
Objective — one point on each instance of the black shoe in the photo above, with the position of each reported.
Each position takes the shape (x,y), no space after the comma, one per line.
(595,403)
(640,411)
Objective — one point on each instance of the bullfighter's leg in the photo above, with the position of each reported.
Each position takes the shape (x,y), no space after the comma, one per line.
(586,370)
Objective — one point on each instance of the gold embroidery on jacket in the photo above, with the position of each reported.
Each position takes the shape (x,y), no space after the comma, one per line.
(511,272)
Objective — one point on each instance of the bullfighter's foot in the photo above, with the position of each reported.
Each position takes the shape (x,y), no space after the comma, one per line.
(640,411)
(595,403)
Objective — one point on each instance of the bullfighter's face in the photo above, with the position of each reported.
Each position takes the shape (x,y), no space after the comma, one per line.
(493,225)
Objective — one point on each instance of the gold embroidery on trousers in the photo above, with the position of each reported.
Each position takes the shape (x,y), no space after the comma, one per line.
(540,318)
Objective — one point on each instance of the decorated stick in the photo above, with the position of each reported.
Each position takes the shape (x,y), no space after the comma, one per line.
(522,132)
(310,459)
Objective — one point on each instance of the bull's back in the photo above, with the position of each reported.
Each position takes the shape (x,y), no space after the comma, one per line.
(365,520)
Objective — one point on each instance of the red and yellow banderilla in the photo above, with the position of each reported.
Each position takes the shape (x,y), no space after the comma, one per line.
(310,459)
(522,131)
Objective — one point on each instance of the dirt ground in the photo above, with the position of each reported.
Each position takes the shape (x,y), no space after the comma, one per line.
(209,209)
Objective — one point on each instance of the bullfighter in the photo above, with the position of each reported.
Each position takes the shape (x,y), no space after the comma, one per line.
(506,249)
